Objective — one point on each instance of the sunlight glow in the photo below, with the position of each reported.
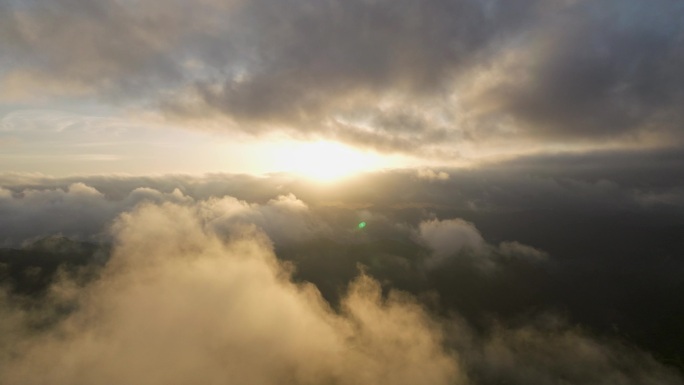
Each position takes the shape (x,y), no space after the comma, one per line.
(325,161)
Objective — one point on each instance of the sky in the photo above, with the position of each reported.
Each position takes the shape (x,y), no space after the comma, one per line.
(124,86)
(296,192)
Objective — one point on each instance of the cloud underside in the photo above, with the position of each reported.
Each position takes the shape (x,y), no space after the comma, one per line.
(410,76)
(183,301)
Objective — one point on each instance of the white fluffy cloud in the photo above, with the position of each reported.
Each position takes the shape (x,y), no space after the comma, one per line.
(447,238)
(450,236)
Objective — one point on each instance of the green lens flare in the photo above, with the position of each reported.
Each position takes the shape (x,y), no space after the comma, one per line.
(362,225)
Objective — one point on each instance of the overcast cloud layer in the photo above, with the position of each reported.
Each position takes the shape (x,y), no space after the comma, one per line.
(430,77)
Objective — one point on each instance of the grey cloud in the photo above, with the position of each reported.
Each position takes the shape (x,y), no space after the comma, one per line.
(106,47)
(547,351)
(456,238)
(420,77)
(449,237)
(82,212)
(517,249)
(368,73)
(432,175)
(395,75)
(77,211)
(599,70)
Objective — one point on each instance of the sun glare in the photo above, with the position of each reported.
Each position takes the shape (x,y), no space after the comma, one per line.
(324,161)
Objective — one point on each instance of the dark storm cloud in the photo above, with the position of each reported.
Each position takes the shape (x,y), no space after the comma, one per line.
(410,76)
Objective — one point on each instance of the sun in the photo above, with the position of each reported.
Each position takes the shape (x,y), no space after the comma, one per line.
(324,160)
